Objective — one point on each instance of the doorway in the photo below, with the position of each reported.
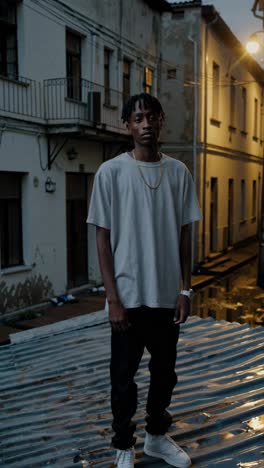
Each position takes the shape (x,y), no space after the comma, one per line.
(77,239)
(213,214)
(230,211)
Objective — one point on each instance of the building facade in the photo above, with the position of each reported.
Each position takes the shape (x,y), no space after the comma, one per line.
(213,93)
(65,72)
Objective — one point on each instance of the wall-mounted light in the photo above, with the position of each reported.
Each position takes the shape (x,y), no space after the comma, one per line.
(72,153)
(50,186)
(253,44)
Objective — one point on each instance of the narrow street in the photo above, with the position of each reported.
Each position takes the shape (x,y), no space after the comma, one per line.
(234,298)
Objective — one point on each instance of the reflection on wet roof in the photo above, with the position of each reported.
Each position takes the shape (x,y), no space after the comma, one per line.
(54,397)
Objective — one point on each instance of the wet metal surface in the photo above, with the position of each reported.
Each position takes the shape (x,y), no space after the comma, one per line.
(54,398)
(233,298)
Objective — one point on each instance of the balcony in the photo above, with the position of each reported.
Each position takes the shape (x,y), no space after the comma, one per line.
(63,104)
(23,99)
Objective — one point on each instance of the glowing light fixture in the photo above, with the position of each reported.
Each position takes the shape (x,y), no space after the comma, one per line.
(253,45)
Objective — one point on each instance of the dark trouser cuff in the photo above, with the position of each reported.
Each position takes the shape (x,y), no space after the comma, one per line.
(158,424)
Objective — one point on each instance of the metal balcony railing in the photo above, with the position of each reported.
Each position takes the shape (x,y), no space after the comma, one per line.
(61,101)
(21,96)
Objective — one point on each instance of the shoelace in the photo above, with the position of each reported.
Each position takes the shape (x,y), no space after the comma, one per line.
(126,457)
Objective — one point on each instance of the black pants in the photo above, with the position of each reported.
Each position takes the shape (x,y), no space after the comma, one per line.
(155,330)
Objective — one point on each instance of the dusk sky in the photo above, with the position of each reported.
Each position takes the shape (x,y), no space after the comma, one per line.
(238,15)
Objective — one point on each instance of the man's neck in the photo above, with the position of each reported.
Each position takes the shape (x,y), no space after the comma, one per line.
(148,154)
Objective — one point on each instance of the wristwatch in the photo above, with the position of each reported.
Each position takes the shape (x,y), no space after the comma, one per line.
(188,293)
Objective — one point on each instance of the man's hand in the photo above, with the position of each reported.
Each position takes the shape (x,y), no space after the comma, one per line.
(182,310)
(118,317)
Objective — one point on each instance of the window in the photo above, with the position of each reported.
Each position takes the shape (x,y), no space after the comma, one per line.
(148,80)
(10,219)
(256,111)
(254,198)
(232,101)
(243,199)
(216,78)
(107,61)
(8,40)
(73,63)
(126,78)
(244,110)
(171,74)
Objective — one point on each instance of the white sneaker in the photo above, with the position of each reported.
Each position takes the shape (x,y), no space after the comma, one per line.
(163,446)
(125,458)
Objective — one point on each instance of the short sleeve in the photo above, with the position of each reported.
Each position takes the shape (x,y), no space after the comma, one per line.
(191,210)
(100,204)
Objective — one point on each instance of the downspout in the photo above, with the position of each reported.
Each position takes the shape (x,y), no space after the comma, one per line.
(205,129)
(195,119)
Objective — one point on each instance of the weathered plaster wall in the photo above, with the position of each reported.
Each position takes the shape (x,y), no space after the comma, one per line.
(177,95)
(43,218)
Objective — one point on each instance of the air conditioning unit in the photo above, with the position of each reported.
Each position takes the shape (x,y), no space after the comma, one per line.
(94,106)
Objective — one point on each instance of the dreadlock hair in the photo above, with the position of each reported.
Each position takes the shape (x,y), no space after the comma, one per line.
(145,99)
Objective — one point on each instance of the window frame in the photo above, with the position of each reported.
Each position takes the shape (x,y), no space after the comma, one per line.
(8,27)
(126,78)
(216,91)
(244,110)
(148,83)
(256,117)
(243,200)
(254,198)
(108,53)
(74,87)
(232,102)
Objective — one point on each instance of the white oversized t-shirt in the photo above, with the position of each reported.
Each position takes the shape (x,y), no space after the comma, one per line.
(145,225)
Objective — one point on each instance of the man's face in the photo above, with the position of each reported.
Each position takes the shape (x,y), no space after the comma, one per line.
(145,125)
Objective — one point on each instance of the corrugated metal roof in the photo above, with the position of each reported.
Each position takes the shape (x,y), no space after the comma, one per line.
(54,397)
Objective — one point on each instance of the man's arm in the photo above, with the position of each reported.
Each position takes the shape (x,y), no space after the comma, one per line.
(117,313)
(183,303)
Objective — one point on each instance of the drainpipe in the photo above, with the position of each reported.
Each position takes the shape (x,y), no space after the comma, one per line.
(195,118)
(205,129)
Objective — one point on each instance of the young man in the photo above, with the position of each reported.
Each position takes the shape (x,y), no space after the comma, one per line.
(142,205)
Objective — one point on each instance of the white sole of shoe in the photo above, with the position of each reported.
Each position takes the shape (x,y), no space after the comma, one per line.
(167,459)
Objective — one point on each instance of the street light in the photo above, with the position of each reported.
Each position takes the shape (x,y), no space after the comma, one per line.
(255,42)
(253,45)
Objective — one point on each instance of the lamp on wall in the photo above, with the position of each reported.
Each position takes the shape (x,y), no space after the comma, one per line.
(253,45)
(50,186)
(72,153)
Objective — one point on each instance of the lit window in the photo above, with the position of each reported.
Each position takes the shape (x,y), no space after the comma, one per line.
(148,80)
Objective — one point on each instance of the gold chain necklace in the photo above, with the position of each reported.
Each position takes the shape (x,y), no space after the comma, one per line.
(153,187)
